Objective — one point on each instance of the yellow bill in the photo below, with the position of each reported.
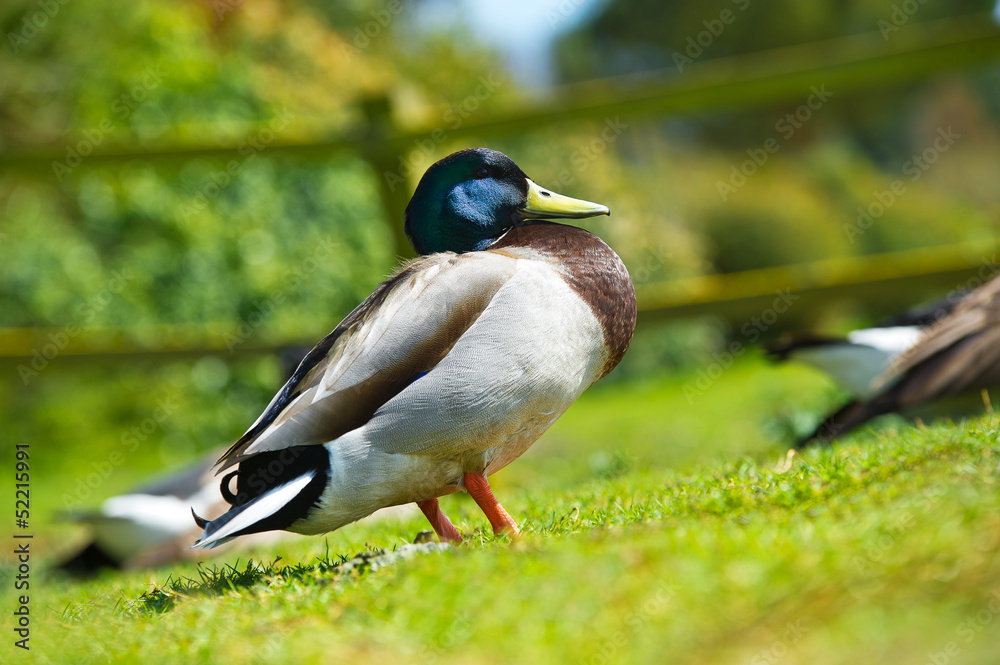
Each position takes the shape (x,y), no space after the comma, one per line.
(545,204)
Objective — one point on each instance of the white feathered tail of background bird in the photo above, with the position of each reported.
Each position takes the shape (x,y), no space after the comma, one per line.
(151,524)
(943,350)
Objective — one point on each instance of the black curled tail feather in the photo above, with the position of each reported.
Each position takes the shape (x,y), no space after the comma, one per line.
(264,471)
(267,471)
(227,493)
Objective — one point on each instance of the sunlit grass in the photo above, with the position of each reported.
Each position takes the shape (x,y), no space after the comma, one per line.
(881,549)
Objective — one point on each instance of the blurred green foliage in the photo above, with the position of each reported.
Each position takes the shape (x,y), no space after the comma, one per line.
(203,240)
(635,35)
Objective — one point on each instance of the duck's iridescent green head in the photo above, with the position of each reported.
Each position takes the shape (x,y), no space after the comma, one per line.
(466,201)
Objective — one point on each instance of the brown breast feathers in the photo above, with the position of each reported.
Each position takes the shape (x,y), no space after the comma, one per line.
(594,272)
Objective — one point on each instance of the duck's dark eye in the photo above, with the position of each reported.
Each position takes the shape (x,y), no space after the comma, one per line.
(481,172)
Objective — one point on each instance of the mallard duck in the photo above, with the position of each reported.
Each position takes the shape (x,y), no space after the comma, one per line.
(148,526)
(943,350)
(448,371)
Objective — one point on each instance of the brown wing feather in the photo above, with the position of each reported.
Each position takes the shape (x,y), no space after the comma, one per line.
(975,313)
(970,363)
(310,370)
(321,402)
(958,353)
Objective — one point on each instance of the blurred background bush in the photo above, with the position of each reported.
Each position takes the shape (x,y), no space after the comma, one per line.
(188,187)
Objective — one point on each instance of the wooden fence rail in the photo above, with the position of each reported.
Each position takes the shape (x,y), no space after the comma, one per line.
(848,64)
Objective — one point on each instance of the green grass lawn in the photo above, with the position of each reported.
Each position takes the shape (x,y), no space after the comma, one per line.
(658,528)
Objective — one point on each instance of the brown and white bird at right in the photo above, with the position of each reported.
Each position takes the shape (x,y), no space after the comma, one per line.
(925,357)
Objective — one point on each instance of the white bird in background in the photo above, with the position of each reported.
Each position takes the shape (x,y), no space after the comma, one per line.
(149,526)
(947,349)
(856,361)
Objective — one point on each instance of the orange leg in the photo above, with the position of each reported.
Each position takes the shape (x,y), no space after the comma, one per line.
(479,488)
(442,527)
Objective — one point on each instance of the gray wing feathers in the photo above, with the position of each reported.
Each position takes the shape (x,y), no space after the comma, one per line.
(406,333)
(500,374)
(955,354)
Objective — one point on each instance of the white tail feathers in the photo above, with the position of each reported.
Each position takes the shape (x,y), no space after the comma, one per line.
(249,514)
